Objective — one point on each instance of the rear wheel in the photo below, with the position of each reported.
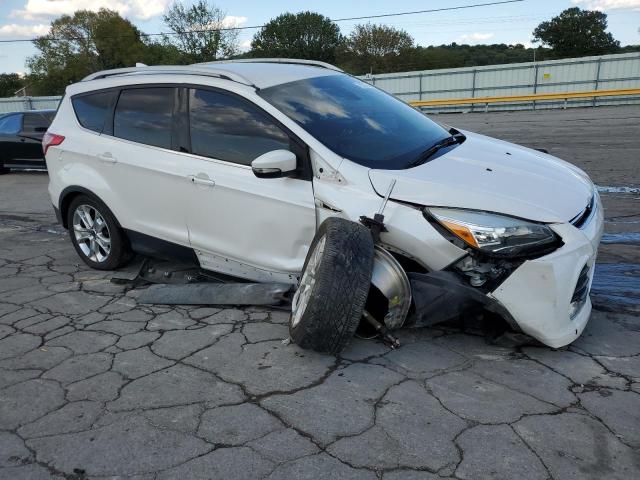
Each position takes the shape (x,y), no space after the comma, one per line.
(95,234)
(328,305)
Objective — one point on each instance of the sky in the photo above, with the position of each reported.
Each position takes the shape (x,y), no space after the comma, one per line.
(511,23)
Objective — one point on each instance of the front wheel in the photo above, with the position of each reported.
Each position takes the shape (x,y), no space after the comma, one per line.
(328,305)
(3,170)
(95,234)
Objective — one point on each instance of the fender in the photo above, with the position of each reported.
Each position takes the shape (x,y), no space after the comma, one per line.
(65,199)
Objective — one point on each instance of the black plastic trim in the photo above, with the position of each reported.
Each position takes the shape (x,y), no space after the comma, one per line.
(154,247)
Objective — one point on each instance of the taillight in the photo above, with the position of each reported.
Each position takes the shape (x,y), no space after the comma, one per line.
(51,140)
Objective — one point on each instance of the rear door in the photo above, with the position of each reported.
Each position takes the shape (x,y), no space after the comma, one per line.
(258,228)
(34,126)
(135,156)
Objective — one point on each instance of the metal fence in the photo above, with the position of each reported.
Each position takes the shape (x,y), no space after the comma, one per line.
(20,104)
(604,72)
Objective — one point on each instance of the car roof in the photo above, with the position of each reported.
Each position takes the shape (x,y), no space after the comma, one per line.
(258,73)
(264,74)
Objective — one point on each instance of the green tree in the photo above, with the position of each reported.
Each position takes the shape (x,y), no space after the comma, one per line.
(10,83)
(376,48)
(202,34)
(305,35)
(577,32)
(81,44)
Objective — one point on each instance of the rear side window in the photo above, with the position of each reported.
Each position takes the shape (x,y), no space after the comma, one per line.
(144,115)
(93,110)
(36,122)
(226,128)
(10,124)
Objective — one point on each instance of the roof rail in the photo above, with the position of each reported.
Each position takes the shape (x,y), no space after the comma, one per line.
(293,61)
(207,71)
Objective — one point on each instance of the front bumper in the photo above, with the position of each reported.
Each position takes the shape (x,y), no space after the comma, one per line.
(538,294)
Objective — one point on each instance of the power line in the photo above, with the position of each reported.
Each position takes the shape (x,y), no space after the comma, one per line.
(385,15)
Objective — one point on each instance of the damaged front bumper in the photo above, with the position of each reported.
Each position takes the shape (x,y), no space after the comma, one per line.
(546,298)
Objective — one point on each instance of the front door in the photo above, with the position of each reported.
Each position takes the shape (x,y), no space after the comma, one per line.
(256,228)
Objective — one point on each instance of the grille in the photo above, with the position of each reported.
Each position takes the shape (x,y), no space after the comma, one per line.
(583,218)
(582,287)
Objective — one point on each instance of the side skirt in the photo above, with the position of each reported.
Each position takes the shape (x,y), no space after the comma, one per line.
(156,248)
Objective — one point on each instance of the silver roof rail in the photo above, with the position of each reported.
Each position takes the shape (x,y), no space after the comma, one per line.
(293,61)
(205,70)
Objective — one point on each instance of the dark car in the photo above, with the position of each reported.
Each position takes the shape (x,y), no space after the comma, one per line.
(21,139)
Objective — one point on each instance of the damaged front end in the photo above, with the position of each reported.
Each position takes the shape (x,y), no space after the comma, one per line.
(495,247)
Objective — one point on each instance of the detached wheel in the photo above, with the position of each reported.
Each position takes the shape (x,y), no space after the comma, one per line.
(328,305)
(95,234)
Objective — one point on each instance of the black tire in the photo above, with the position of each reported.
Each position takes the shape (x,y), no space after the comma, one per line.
(340,290)
(119,252)
(3,170)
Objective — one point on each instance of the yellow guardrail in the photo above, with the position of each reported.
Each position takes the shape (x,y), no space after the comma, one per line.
(526,98)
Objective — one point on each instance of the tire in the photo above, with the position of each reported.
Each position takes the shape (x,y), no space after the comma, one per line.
(92,248)
(328,304)
(3,170)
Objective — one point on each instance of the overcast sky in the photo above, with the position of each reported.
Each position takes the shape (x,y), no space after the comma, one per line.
(512,23)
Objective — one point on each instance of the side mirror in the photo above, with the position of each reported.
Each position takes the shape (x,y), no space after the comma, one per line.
(274,164)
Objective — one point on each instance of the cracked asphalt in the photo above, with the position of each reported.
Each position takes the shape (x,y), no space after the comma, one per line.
(95,385)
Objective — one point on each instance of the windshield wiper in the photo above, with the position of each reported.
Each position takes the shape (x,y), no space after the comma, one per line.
(429,152)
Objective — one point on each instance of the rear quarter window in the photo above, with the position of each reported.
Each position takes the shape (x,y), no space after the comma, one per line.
(36,122)
(92,110)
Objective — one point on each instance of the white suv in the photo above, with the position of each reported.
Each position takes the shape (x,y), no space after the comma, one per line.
(292,171)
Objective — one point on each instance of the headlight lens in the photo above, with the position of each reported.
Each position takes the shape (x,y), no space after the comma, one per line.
(494,234)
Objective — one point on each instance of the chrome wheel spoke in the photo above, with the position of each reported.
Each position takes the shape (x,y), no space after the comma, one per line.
(104,244)
(91,233)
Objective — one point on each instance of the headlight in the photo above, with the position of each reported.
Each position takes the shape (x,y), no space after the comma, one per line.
(494,234)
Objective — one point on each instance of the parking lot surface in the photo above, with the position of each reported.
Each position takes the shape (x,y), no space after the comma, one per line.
(95,385)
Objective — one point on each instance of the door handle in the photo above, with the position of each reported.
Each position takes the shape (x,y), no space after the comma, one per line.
(107,157)
(201,180)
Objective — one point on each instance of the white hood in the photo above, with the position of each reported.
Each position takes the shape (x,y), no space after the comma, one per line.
(495,176)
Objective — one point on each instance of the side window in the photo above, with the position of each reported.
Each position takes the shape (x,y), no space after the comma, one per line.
(93,110)
(144,115)
(11,124)
(226,128)
(36,122)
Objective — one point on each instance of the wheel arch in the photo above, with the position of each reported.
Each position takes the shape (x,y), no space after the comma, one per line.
(69,193)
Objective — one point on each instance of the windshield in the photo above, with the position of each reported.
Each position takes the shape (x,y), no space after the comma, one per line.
(357,121)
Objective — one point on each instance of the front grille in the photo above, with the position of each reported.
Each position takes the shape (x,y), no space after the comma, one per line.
(582,287)
(583,217)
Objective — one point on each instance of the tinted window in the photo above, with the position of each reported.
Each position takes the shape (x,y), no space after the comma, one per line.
(144,115)
(93,110)
(356,120)
(227,128)
(36,122)
(10,124)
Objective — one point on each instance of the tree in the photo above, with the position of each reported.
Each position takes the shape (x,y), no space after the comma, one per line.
(10,83)
(376,48)
(82,44)
(577,32)
(201,33)
(305,35)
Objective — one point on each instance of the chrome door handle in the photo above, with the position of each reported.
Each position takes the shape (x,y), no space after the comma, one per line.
(107,158)
(201,181)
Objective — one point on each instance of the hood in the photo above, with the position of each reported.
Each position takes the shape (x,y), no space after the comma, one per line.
(494,176)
